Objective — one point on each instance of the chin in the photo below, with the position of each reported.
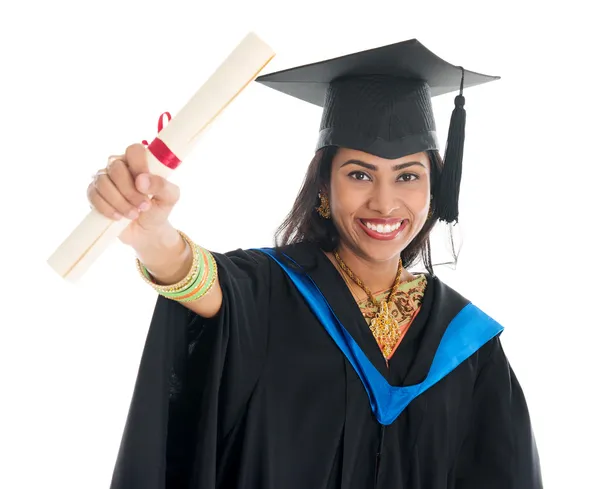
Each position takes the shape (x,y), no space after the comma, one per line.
(382,252)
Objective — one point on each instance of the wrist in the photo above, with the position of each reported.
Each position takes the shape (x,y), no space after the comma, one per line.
(166,255)
(164,238)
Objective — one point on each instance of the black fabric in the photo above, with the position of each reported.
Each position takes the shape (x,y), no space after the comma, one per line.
(378,100)
(260,397)
(388,117)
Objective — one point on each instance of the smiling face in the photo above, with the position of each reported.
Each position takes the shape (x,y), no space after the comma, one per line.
(378,205)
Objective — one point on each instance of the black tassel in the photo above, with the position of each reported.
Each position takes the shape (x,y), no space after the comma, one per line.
(449,187)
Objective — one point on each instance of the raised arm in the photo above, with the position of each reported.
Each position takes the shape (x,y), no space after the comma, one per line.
(126,188)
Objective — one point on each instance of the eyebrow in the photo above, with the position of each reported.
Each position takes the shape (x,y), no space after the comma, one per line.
(371,167)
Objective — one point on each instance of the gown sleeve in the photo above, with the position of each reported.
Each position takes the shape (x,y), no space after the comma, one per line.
(500,451)
(194,378)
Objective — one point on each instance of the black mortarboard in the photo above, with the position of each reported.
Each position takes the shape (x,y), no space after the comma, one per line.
(379,101)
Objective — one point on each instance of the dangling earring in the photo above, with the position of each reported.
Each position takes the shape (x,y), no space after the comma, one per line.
(324,210)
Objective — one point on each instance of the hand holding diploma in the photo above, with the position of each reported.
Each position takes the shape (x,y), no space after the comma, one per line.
(123,190)
(119,191)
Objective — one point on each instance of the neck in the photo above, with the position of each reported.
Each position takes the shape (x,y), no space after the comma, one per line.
(376,275)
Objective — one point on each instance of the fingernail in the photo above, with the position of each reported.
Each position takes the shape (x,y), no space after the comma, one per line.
(117,216)
(145,206)
(143,182)
(132,214)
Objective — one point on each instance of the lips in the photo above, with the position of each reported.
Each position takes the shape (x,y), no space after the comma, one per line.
(383,229)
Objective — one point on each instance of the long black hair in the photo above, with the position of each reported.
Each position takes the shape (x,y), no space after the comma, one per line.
(304,224)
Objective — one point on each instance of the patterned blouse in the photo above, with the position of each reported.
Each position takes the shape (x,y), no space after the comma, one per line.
(404,307)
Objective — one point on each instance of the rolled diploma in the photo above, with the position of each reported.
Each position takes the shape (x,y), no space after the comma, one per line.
(95,233)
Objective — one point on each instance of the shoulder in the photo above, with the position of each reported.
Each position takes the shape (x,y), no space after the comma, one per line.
(244,257)
(468,320)
(242,265)
(260,262)
(302,254)
(455,305)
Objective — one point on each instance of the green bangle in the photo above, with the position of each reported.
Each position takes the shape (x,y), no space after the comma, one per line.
(211,278)
(185,282)
(194,282)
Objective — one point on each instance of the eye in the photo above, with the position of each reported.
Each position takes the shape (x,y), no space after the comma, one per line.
(408,177)
(359,175)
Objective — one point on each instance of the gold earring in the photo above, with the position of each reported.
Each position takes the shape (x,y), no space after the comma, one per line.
(324,210)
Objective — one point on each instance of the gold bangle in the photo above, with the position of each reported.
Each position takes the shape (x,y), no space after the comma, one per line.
(204,287)
(184,282)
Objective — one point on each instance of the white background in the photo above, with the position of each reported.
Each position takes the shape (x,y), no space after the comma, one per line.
(82,80)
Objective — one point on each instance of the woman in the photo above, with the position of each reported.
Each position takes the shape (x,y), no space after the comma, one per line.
(325,363)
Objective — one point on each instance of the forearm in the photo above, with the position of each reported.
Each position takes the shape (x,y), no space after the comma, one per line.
(169,258)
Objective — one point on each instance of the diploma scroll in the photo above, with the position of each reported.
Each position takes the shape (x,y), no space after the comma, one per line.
(173,143)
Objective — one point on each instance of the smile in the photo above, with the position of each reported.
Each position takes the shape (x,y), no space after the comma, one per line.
(384,229)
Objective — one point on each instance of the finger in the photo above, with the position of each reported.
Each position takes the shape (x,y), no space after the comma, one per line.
(162,190)
(135,157)
(98,203)
(108,191)
(112,158)
(122,178)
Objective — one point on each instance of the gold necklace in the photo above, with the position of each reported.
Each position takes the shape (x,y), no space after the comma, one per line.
(383,321)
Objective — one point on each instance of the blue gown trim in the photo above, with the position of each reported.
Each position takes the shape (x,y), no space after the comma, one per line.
(468,331)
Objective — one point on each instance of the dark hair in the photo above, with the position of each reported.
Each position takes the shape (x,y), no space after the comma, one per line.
(304,224)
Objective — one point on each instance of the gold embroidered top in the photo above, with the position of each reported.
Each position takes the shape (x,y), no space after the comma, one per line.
(404,306)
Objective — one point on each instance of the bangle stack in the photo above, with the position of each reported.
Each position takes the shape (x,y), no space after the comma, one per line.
(195,285)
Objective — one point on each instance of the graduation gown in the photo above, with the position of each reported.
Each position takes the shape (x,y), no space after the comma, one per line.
(261,397)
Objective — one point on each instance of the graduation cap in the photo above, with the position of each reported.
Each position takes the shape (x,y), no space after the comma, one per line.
(379,101)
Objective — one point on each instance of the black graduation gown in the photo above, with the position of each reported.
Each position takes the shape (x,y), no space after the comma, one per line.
(260,397)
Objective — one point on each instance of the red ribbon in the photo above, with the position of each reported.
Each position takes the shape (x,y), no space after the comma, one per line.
(160,150)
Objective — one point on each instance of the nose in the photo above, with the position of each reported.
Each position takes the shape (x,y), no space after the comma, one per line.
(385,199)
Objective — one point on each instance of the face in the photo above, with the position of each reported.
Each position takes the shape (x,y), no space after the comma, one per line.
(379,205)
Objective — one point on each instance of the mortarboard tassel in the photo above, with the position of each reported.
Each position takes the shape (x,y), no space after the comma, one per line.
(449,187)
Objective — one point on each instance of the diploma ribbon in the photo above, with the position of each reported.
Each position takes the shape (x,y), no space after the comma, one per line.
(159,149)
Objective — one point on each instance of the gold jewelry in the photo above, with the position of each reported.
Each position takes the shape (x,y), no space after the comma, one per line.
(347,281)
(361,284)
(324,209)
(384,324)
(199,280)
(364,307)
(112,159)
(202,284)
(104,171)
(109,162)
(184,281)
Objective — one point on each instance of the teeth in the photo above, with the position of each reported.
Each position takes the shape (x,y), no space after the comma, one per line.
(383,229)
